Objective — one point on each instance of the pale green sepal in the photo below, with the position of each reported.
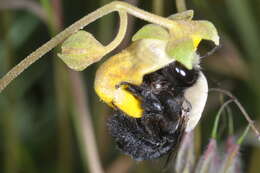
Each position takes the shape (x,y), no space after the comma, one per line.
(182,51)
(206,30)
(185,15)
(200,28)
(213,33)
(80,50)
(151,31)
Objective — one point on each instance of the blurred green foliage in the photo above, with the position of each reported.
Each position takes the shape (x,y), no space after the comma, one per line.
(36,111)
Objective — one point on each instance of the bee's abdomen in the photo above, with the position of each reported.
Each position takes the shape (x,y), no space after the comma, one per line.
(133,138)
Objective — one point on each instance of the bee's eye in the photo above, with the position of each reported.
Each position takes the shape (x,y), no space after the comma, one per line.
(185,76)
(180,71)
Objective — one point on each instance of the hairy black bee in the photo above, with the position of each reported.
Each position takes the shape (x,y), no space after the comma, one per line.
(165,116)
(153,109)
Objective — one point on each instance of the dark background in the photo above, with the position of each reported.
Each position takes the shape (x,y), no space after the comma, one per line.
(41,114)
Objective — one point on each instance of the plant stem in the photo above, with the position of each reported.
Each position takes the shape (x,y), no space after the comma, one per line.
(158,7)
(120,34)
(242,137)
(49,13)
(181,5)
(84,126)
(130,27)
(10,133)
(241,108)
(120,7)
(62,94)
(230,122)
(216,122)
(31,6)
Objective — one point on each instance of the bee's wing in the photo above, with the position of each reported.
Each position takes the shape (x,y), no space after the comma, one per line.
(180,132)
(196,95)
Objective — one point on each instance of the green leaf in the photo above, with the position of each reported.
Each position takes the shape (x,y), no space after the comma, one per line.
(81,50)
(151,31)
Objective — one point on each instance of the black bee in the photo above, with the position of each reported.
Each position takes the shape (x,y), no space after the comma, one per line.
(165,117)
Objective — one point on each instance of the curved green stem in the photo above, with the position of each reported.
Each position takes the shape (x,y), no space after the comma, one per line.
(242,137)
(241,108)
(120,7)
(149,17)
(216,122)
(230,122)
(121,33)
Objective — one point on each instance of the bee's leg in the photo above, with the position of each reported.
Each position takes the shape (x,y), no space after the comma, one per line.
(186,106)
(150,102)
(154,124)
(134,89)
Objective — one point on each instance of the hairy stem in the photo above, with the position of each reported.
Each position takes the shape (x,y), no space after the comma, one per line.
(241,108)
(120,7)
